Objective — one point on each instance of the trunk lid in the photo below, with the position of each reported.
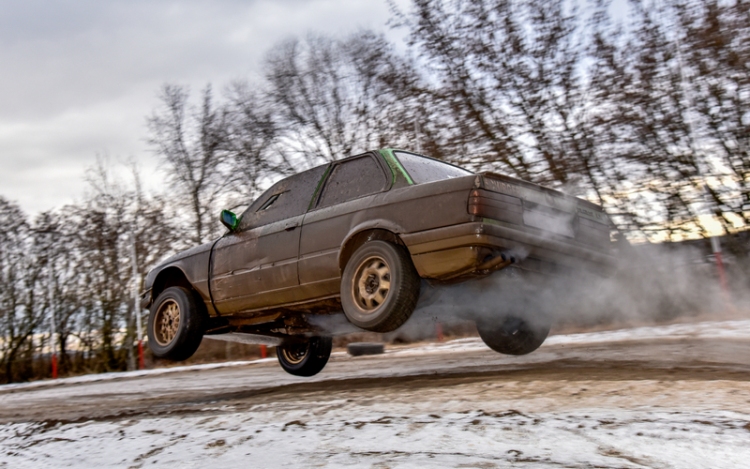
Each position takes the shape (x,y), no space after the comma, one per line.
(539,209)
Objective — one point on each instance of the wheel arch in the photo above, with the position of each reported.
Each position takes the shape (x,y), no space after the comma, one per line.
(170,277)
(357,239)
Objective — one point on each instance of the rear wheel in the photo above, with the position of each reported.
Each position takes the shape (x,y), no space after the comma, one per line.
(176,324)
(305,357)
(379,287)
(512,335)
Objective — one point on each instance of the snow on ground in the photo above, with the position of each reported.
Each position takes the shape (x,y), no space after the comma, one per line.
(577,421)
(394,439)
(92,378)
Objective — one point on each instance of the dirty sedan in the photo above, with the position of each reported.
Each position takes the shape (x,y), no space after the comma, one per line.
(361,235)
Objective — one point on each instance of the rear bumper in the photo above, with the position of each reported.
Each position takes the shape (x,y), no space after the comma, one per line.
(445,252)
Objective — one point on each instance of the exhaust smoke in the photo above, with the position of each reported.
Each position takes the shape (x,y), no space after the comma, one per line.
(652,283)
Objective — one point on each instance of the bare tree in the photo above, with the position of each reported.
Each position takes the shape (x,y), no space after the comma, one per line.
(253,156)
(511,77)
(20,312)
(676,94)
(115,215)
(193,143)
(338,97)
(714,37)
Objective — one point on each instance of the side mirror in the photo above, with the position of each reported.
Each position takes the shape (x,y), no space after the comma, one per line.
(229,219)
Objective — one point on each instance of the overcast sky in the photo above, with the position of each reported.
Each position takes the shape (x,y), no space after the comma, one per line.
(78,78)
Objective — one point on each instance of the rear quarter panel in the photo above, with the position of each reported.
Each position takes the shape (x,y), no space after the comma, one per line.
(399,210)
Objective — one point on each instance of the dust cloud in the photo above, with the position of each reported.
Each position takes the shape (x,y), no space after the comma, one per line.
(650,284)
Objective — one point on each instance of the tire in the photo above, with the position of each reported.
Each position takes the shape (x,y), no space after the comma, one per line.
(305,358)
(176,324)
(512,335)
(357,349)
(379,287)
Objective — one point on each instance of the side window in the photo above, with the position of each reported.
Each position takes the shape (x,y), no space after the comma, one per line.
(287,198)
(352,179)
(422,169)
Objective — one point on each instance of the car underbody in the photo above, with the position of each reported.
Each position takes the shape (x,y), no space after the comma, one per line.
(371,245)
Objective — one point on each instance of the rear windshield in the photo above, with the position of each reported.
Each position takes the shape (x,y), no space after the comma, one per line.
(423,169)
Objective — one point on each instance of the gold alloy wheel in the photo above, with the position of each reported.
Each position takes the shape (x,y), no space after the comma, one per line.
(167,322)
(295,354)
(372,283)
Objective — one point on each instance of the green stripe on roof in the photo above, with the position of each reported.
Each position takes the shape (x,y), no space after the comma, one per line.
(395,165)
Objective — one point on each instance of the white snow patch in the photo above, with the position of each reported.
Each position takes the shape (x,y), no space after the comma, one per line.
(373,438)
(422,431)
(92,378)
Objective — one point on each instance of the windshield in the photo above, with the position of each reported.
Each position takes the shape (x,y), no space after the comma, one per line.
(423,169)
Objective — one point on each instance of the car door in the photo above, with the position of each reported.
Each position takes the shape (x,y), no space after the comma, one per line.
(255,266)
(348,190)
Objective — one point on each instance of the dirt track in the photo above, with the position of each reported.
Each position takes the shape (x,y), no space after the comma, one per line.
(715,374)
(632,404)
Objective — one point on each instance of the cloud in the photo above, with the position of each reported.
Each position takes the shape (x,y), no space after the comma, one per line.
(79,77)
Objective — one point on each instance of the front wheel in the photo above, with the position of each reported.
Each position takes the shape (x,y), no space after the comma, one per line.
(379,287)
(176,324)
(305,357)
(512,335)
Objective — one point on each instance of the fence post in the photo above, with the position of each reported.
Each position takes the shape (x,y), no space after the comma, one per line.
(52,325)
(136,308)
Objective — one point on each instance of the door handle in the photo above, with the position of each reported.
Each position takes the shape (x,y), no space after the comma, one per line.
(291,226)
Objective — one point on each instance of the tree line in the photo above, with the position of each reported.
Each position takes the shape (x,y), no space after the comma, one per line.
(647,115)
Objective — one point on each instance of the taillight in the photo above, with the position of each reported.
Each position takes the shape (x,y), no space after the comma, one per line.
(487,204)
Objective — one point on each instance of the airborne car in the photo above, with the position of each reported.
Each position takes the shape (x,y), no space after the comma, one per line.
(360,235)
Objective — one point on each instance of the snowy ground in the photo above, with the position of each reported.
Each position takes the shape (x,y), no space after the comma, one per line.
(392,438)
(664,397)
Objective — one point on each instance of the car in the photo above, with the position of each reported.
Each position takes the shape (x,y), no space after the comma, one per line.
(362,235)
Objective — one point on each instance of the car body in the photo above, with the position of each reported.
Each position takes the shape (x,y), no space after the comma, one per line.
(285,258)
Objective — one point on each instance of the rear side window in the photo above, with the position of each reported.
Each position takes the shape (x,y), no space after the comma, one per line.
(423,169)
(287,198)
(352,179)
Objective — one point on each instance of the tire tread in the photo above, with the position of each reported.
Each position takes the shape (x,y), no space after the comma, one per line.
(190,340)
(405,296)
(531,339)
(318,355)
